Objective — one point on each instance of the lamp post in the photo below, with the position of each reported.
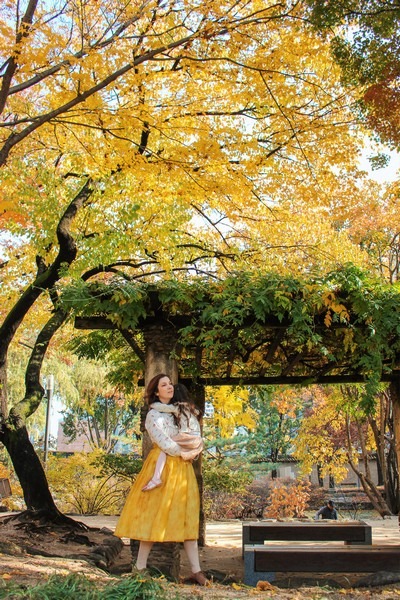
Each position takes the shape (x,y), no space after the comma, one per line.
(49,392)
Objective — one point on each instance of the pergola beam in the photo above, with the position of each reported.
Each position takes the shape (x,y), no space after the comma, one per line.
(314,376)
(279,380)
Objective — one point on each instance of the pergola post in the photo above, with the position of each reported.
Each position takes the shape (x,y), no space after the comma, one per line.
(198,394)
(160,342)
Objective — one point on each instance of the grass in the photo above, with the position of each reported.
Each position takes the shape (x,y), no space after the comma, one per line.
(77,586)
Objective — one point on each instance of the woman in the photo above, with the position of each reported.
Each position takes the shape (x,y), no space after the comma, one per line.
(189,440)
(170,513)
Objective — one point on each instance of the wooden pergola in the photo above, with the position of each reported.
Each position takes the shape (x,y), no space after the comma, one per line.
(250,351)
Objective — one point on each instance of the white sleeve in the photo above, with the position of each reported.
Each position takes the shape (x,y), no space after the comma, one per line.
(153,424)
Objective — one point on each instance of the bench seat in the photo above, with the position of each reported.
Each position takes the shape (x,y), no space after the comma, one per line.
(262,562)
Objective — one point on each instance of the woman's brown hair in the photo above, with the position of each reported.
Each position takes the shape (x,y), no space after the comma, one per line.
(152,387)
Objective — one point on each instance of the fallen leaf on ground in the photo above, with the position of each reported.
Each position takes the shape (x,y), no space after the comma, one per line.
(265,586)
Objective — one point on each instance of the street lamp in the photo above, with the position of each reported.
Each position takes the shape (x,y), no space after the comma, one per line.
(49,392)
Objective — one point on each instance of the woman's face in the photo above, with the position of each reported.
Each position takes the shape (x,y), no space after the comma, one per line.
(165,390)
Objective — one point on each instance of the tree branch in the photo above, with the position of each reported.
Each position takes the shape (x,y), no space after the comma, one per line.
(12,62)
(99,45)
(34,391)
(16,138)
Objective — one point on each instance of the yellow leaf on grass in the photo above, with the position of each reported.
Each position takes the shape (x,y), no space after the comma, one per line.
(236,586)
(6,576)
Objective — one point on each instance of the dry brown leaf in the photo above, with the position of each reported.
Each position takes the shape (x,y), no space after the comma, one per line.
(265,586)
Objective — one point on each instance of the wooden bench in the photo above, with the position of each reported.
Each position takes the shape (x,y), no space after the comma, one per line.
(262,562)
(349,532)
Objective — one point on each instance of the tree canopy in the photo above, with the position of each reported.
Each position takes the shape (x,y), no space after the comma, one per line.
(176,143)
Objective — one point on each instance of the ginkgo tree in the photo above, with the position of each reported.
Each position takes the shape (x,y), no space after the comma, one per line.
(152,139)
(232,419)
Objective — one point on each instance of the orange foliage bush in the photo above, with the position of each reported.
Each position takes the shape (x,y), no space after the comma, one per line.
(288,499)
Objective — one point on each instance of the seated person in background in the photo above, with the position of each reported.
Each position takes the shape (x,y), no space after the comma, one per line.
(327,512)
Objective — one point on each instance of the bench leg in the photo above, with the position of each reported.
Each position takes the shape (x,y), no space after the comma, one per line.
(245,537)
(367,540)
(250,576)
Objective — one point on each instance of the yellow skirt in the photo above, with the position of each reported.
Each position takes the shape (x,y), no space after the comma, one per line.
(168,513)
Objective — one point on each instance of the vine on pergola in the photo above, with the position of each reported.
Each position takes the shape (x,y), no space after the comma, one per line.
(251,326)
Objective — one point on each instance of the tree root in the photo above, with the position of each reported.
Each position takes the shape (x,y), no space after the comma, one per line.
(41,519)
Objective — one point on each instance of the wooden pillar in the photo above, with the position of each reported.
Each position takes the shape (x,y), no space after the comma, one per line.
(160,342)
(198,394)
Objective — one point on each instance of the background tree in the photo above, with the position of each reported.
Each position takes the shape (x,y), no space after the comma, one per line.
(278,418)
(334,434)
(381,424)
(227,429)
(102,414)
(364,39)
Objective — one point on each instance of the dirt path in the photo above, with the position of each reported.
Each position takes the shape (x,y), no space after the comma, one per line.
(221,556)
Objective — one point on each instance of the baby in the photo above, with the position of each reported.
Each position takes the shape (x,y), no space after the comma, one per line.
(189,440)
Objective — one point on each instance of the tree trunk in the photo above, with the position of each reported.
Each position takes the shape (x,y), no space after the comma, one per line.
(367,484)
(29,470)
(388,475)
(320,478)
(395,397)
(13,433)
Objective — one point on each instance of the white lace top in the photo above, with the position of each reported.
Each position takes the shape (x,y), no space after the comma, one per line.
(161,427)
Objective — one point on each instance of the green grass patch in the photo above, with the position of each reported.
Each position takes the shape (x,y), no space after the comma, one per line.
(79,587)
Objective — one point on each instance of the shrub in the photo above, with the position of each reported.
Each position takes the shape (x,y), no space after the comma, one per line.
(225,478)
(318,497)
(16,501)
(118,465)
(219,506)
(79,485)
(288,499)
